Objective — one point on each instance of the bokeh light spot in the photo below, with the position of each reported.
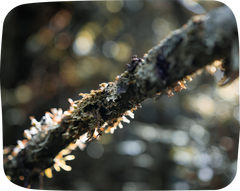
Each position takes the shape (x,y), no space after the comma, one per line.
(95,150)
(227,143)
(143,160)
(23,94)
(160,27)
(4,96)
(205,104)
(205,174)
(110,49)
(124,53)
(63,41)
(114,6)
(132,148)
(60,20)
(134,5)
(15,116)
(180,185)
(82,46)
(180,138)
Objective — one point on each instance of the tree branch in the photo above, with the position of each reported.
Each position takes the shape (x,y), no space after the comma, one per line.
(165,68)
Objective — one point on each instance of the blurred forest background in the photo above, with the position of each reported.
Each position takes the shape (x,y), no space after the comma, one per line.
(54,51)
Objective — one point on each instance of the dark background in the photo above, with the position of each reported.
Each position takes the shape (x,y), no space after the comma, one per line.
(54,51)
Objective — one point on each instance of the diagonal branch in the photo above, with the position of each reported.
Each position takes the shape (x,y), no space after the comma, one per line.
(165,68)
